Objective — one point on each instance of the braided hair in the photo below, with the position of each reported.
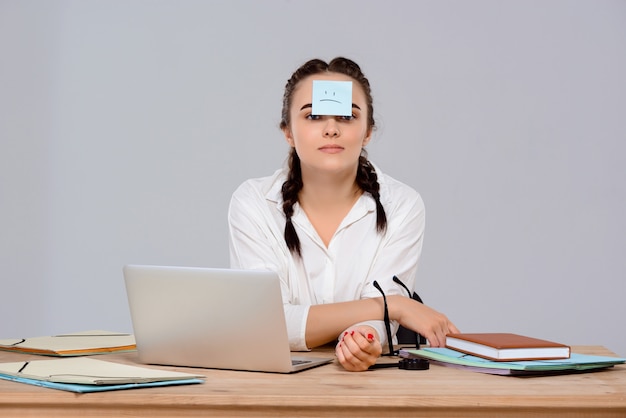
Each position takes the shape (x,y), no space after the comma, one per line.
(366,177)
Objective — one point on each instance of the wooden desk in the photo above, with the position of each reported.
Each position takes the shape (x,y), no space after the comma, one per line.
(331,391)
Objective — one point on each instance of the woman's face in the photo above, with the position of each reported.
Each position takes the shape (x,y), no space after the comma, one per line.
(330,144)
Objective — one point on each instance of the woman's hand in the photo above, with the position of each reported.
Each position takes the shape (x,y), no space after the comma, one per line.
(358,348)
(433,325)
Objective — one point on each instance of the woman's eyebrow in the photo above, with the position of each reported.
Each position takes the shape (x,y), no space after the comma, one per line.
(354,105)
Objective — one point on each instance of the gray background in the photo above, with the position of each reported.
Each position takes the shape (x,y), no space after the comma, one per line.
(126,125)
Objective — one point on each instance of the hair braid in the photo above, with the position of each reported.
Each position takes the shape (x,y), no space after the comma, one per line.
(367,180)
(290,189)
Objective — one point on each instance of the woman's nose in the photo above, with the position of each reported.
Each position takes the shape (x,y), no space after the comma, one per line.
(331,130)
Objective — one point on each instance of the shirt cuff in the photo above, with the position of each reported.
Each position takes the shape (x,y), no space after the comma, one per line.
(296,317)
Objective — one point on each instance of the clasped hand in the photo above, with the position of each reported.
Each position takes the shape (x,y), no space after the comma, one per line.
(358,348)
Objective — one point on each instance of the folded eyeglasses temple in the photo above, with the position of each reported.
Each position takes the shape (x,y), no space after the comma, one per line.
(386,319)
(395,279)
(413,296)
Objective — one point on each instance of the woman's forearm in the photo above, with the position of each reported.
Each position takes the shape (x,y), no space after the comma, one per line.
(325,322)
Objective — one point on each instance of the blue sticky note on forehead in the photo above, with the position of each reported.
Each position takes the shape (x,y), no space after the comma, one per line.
(332,98)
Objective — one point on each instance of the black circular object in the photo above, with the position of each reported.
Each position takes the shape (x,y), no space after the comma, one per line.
(414,364)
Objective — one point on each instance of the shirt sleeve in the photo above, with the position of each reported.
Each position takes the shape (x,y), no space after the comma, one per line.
(256,242)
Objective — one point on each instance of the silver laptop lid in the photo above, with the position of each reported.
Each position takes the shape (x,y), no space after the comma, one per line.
(214,318)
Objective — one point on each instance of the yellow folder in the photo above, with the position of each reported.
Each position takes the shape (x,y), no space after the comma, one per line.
(75,344)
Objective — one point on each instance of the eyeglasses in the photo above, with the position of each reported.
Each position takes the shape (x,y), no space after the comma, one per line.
(404,363)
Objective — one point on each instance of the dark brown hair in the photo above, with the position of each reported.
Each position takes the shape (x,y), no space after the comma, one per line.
(366,177)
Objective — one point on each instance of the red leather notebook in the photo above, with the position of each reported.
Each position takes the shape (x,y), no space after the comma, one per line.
(507,347)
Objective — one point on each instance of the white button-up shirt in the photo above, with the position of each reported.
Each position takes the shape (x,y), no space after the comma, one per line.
(344,271)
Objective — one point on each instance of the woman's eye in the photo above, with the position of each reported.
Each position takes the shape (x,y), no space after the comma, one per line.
(313,117)
(347,118)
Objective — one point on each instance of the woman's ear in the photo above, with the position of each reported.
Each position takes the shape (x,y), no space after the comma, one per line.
(367,138)
(289,136)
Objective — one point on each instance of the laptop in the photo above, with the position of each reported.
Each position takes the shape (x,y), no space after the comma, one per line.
(211,318)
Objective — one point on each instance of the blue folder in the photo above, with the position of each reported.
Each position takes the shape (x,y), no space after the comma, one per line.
(78,388)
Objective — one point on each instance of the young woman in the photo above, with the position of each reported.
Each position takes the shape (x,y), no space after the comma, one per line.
(334,228)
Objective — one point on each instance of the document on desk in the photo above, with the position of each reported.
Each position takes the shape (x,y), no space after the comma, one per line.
(75,344)
(85,374)
(577,363)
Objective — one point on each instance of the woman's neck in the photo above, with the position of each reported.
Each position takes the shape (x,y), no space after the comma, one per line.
(331,190)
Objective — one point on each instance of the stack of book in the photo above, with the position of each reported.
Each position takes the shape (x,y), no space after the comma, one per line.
(510,354)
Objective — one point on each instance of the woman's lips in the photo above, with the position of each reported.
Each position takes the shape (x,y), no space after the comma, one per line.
(331,149)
